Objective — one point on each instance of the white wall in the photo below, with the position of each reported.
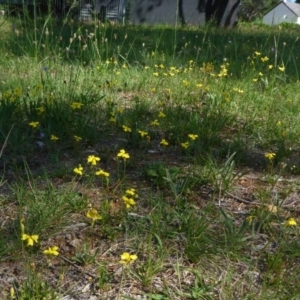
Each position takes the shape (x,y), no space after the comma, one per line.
(281,13)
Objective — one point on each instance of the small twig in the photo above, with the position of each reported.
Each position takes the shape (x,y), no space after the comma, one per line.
(288,207)
(77,267)
(242,200)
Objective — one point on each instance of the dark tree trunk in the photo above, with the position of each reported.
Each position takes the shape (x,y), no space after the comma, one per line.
(180,12)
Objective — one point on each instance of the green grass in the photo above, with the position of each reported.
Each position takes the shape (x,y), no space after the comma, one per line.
(196,110)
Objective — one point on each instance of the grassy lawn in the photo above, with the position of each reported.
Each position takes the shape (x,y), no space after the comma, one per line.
(142,162)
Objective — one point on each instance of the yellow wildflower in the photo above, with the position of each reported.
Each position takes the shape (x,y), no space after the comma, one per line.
(92,159)
(77,138)
(126,128)
(130,192)
(78,170)
(93,215)
(281,68)
(290,222)
(270,155)
(34,124)
(76,105)
(51,251)
(161,115)
(31,239)
(237,90)
(128,202)
(164,142)
(40,109)
(154,123)
(185,83)
(271,208)
(270,67)
(207,67)
(264,59)
(102,173)
(142,133)
(127,258)
(193,136)
(54,138)
(123,154)
(223,71)
(185,145)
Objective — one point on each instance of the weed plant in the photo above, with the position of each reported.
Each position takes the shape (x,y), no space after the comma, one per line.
(149,161)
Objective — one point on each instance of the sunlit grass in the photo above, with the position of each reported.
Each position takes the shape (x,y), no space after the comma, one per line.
(145,165)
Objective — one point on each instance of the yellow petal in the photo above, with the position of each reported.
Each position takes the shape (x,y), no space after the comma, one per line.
(93,214)
(35,238)
(133,257)
(290,222)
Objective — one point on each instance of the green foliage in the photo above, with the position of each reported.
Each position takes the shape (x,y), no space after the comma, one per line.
(156,172)
(251,10)
(223,177)
(208,120)
(35,288)
(84,257)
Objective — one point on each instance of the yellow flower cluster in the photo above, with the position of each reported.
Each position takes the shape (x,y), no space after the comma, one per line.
(92,160)
(33,239)
(224,71)
(192,137)
(128,198)
(12,95)
(207,67)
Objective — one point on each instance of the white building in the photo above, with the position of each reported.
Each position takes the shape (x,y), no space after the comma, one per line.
(283,12)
